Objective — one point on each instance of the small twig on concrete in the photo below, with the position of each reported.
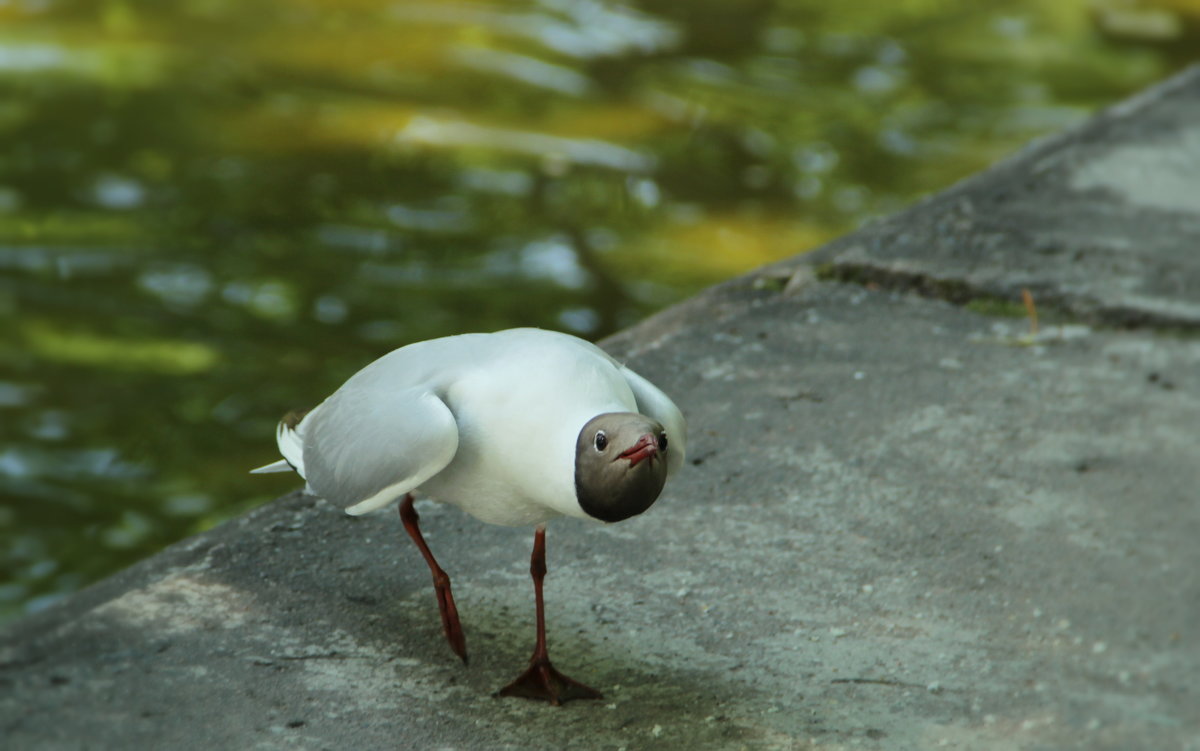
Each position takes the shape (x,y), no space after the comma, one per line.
(1031,309)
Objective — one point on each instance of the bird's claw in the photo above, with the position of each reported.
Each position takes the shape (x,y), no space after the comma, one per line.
(541,681)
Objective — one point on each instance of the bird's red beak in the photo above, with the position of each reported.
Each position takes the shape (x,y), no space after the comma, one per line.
(645,448)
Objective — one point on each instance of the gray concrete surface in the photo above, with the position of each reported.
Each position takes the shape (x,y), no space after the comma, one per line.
(905,523)
(1102,222)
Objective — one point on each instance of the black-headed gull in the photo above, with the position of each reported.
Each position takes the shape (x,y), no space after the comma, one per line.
(515,427)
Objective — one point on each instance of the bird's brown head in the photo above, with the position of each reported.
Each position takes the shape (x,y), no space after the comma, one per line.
(620,465)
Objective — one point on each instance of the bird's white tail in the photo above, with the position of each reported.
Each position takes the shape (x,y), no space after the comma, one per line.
(279,466)
(289,436)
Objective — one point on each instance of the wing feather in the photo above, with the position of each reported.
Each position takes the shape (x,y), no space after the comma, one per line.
(365,447)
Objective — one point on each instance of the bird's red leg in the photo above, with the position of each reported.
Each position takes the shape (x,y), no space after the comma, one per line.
(541,680)
(441,582)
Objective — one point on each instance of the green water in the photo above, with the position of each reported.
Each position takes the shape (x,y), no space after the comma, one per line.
(214,211)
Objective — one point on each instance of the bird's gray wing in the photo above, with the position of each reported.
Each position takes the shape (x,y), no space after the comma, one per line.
(364,447)
(653,403)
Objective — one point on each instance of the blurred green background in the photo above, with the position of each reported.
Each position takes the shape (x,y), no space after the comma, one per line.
(213,211)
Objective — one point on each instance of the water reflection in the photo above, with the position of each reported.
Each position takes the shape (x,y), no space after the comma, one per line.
(213,212)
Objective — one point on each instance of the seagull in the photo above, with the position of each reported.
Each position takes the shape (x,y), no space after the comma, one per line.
(515,427)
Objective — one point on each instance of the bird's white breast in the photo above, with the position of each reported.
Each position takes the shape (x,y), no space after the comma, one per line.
(519,412)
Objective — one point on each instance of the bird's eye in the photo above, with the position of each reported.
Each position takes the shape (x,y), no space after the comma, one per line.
(601,440)
(662,441)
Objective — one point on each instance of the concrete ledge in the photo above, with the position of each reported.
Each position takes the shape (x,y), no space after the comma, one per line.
(905,523)
(1101,222)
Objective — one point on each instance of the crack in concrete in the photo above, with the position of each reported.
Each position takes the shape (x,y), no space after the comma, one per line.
(1052,306)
